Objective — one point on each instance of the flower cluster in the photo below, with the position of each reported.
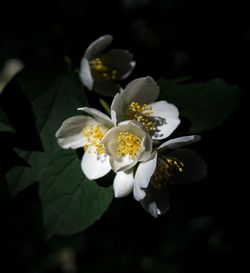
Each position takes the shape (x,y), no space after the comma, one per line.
(127,141)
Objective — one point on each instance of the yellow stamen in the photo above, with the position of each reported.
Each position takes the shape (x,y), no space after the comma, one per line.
(94,135)
(166,170)
(101,70)
(141,113)
(128,145)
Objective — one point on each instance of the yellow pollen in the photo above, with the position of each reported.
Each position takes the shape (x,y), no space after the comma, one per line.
(165,172)
(94,135)
(128,145)
(101,70)
(141,113)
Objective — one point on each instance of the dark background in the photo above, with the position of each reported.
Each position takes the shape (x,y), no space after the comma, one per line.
(206,228)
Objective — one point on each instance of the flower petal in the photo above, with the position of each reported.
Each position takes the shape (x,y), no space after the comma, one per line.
(97,47)
(147,148)
(119,108)
(85,74)
(122,164)
(194,166)
(178,142)
(123,183)
(98,116)
(69,135)
(156,202)
(110,142)
(122,61)
(142,90)
(143,176)
(165,118)
(106,87)
(93,165)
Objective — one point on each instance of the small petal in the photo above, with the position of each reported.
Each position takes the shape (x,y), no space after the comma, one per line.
(123,183)
(85,74)
(178,142)
(156,202)
(194,168)
(121,61)
(69,135)
(93,165)
(97,47)
(98,116)
(143,176)
(166,119)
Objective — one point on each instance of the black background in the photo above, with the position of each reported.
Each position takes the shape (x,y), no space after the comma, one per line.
(206,228)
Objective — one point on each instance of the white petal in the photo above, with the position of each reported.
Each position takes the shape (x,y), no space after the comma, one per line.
(147,148)
(143,175)
(85,74)
(119,108)
(113,116)
(178,142)
(98,46)
(166,119)
(118,162)
(122,164)
(123,183)
(142,90)
(69,135)
(93,165)
(98,116)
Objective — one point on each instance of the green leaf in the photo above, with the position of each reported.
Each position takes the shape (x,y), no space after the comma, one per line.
(4,123)
(206,104)
(54,94)
(71,202)
(20,177)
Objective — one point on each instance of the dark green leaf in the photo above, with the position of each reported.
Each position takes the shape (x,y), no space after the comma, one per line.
(206,104)
(55,95)
(19,176)
(71,202)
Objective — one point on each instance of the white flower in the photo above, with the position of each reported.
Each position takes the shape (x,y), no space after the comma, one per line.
(135,102)
(100,69)
(85,131)
(167,165)
(126,144)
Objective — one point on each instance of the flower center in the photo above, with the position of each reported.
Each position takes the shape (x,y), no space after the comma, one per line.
(165,172)
(128,145)
(101,70)
(141,113)
(94,135)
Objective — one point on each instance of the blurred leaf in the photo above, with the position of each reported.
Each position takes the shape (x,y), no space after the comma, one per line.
(54,94)
(4,123)
(71,202)
(206,104)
